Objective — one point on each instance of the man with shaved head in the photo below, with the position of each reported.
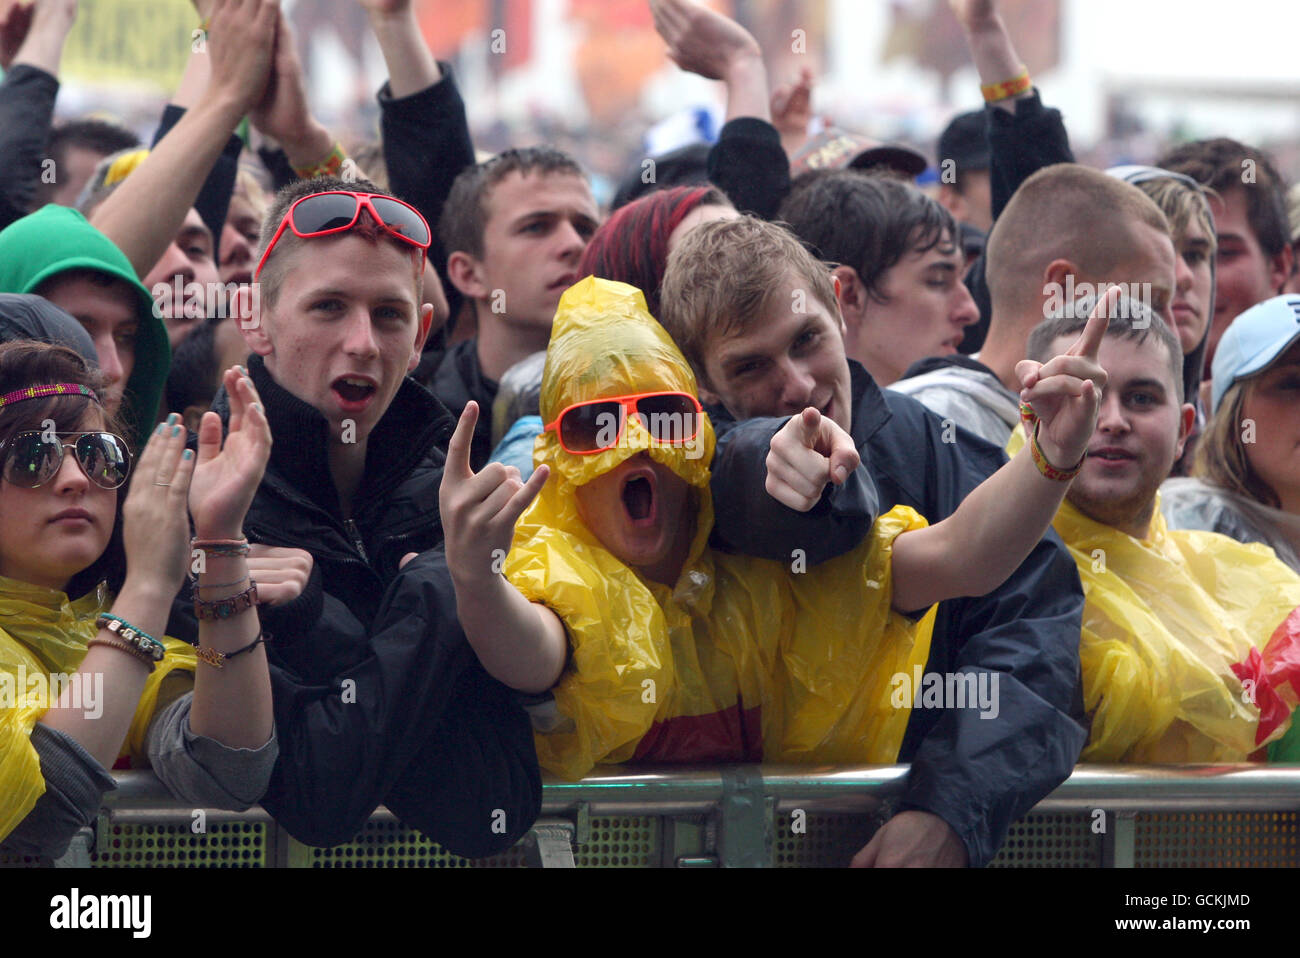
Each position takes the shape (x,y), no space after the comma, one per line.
(1068,233)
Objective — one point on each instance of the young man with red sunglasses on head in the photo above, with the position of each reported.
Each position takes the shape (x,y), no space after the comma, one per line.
(378,698)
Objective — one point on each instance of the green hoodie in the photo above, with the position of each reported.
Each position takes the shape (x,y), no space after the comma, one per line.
(57,239)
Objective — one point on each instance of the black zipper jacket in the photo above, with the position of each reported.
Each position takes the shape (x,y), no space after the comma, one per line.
(378,697)
(977,774)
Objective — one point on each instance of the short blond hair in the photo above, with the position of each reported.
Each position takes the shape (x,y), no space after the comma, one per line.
(1182,205)
(1065,211)
(724,276)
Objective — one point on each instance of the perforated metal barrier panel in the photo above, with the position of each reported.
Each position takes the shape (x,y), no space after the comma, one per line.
(1051,841)
(219,845)
(693,818)
(1217,840)
(820,841)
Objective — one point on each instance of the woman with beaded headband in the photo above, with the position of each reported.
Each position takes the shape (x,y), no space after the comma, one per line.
(89,568)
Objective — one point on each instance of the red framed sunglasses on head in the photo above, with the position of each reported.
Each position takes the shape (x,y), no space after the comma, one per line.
(671,418)
(336,211)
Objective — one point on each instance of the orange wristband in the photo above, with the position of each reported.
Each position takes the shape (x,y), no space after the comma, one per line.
(993,92)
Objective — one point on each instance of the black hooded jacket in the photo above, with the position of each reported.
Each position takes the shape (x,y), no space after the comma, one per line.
(378,697)
(977,774)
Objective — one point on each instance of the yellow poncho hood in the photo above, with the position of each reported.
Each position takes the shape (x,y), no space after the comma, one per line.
(742,659)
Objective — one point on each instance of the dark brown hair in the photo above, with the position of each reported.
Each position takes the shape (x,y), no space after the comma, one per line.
(26,363)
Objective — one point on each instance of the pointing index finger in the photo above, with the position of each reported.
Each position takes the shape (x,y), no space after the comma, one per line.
(1089,342)
(810,421)
(458,465)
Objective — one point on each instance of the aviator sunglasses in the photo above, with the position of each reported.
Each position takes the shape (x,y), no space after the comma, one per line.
(671,418)
(29,459)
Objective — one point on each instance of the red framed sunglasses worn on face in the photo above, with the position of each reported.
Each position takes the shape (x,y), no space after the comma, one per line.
(671,418)
(336,211)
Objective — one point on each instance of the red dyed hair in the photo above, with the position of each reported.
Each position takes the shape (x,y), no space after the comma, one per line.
(632,245)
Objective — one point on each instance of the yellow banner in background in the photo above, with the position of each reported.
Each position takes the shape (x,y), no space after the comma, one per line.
(137,41)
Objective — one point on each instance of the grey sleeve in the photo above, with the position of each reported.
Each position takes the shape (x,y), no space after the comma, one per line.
(74,788)
(201,770)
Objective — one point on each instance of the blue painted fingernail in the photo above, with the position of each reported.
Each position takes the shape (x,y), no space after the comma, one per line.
(159,430)
(171,419)
(176,431)
(189,454)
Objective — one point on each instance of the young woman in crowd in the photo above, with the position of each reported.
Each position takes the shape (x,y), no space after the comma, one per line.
(1246,478)
(87,578)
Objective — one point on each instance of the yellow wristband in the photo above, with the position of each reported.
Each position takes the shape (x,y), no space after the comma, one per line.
(331,165)
(994,92)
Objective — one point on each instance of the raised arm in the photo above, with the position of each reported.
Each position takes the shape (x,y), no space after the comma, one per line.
(520,643)
(425,130)
(1004,517)
(1024,136)
(411,67)
(232,689)
(717,48)
(31,45)
(283,113)
(748,162)
(155,533)
(143,214)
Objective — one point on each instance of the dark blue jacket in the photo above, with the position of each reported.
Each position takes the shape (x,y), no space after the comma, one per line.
(977,774)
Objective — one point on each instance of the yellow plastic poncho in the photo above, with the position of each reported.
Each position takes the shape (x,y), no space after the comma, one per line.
(42,633)
(744,660)
(1172,625)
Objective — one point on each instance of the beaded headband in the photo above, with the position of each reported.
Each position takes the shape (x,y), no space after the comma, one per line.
(54,389)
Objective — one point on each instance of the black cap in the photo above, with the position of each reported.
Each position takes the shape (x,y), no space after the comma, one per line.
(966,141)
(685,166)
(24,316)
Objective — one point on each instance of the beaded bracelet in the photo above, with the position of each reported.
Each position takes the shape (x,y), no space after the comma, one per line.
(1018,84)
(131,650)
(225,608)
(132,636)
(215,659)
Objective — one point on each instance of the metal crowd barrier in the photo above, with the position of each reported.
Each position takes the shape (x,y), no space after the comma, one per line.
(749,816)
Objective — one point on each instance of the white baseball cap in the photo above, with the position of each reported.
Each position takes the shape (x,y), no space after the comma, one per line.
(1254,341)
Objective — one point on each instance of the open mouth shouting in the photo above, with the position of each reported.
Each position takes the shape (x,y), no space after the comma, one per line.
(354,393)
(639,497)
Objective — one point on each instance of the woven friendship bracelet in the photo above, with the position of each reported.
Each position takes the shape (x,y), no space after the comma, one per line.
(1045,467)
(331,165)
(221,547)
(225,608)
(54,389)
(994,92)
(215,659)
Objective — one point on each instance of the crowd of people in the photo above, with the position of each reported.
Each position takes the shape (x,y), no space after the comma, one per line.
(403,477)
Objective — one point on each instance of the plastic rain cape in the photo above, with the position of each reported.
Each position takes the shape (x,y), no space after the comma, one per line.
(1190,641)
(744,660)
(43,633)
